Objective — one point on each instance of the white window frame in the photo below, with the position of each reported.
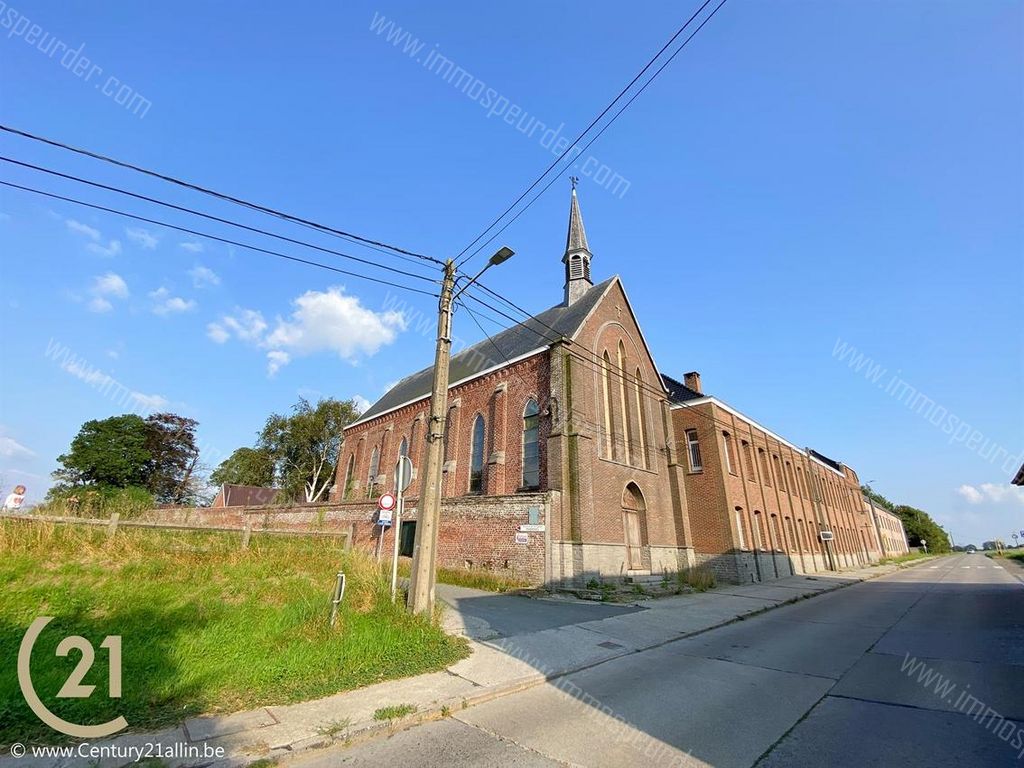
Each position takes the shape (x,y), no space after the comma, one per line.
(692,441)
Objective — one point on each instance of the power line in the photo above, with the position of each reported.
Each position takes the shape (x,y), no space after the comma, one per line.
(220,195)
(215,237)
(214,218)
(592,124)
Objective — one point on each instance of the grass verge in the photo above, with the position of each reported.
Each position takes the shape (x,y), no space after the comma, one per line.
(474,578)
(206,627)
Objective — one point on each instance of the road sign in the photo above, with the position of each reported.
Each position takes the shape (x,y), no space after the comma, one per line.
(387,502)
(384,517)
(826,536)
(403,474)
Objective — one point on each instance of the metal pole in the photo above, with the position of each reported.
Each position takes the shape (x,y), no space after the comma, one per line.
(396,525)
(421,587)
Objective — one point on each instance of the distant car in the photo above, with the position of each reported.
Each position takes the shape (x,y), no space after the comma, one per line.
(971,550)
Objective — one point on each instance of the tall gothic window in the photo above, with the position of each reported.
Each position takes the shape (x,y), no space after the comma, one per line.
(476,464)
(641,421)
(403,448)
(609,417)
(374,470)
(627,416)
(531,445)
(346,487)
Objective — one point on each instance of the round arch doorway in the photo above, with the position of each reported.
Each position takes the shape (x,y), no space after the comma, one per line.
(634,524)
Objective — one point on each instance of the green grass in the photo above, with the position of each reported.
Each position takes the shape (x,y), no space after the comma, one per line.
(1013,554)
(699,578)
(902,558)
(206,627)
(474,578)
(394,712)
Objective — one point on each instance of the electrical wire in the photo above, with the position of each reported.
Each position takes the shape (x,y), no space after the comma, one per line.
(217,238)
(585,131)
(220,195)
(211,217)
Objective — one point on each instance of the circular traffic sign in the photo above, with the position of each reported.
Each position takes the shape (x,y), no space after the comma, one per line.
(386,501)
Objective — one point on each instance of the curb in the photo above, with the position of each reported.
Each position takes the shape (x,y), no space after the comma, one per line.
(446,708)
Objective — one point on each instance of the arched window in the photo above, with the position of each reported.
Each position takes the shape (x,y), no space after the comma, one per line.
(371,478)
(641,431)
(476,464)
(531,445)
(346,487)
(606,395)
(759,530)
(403,448)
(627,416)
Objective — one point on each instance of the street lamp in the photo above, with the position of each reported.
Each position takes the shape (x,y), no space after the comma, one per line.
(424,556)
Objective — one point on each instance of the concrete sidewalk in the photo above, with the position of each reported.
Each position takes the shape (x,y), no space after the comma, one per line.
(501,662)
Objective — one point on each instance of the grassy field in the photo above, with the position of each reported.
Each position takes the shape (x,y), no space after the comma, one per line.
(206,627)
(1014,554)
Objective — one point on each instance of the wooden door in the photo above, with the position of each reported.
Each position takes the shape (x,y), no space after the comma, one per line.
(634,543)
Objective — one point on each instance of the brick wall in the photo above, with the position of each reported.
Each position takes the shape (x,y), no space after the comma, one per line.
(475,531)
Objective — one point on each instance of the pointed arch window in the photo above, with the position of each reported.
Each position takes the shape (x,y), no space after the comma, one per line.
(606,394)
(641,431)
(476,464)
(350,470)
(403,448)
(371,478)
(627,416)
(531,445)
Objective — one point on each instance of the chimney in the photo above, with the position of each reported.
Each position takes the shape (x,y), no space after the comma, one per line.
(692,380)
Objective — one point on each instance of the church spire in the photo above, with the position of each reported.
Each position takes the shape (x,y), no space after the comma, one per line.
(577,253)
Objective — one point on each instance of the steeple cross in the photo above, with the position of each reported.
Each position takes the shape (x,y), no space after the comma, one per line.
(574,180)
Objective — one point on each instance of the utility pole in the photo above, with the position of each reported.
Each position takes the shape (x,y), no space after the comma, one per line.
(424,555)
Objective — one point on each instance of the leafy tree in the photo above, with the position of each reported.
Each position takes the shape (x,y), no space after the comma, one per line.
(306,444)
(878,498)
(246,466)
(174,456)
(111,452)
(919,525)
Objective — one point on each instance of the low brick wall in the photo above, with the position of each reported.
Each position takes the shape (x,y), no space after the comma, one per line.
(475,531)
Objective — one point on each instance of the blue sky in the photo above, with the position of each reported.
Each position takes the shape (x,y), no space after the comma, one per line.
(804,174)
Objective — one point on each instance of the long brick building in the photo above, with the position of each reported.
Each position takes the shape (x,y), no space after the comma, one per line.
(568,454)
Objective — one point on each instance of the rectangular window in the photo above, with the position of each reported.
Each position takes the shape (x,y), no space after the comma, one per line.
(739,529)
(727,442)
(693,450)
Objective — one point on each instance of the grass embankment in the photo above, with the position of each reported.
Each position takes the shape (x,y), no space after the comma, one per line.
(205,626)
(1015,554)
(907,558)
(475,578)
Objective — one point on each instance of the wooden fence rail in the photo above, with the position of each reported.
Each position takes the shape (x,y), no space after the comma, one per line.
(114,522)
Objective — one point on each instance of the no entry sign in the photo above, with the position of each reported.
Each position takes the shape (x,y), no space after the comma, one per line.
(387,501)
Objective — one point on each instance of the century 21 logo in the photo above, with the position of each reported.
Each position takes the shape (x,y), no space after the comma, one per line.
(72,688)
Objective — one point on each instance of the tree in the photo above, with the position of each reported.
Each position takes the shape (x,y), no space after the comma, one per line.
(305,445)
(919,525)
(112,452)
(174,456)
(878,498)
(246,466)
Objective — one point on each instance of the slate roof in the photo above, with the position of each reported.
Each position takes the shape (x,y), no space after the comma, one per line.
(576,239)
(837,466)
(246,495)
(1019,477)
(529,336)
(679,392)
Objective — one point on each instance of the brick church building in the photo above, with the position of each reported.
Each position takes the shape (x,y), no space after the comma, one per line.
(569,455)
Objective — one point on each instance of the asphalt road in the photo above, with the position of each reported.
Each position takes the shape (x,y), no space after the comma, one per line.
(921,668)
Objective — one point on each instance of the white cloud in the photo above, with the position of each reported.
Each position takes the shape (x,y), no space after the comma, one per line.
(110,284)
(203,276)
(11,448)
(216,332)
(361,403)
(322,321)
(150,402)
(335,322)
(165,304)
(277,359)
(142,237)
(82,229)
(113,248)
(99,305)
(193,246)
(991,492)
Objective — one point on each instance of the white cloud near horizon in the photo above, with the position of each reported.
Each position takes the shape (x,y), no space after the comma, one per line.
(321,321)
(11,448)
(142,237)
(82,229)
(104,288)
(991,492)
(113,248)
(192,246)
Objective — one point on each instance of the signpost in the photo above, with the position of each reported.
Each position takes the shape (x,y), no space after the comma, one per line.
(403,478)
(385,504)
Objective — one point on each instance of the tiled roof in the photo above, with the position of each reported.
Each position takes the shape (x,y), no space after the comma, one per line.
(679,392)
(517,341)
(247,495)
